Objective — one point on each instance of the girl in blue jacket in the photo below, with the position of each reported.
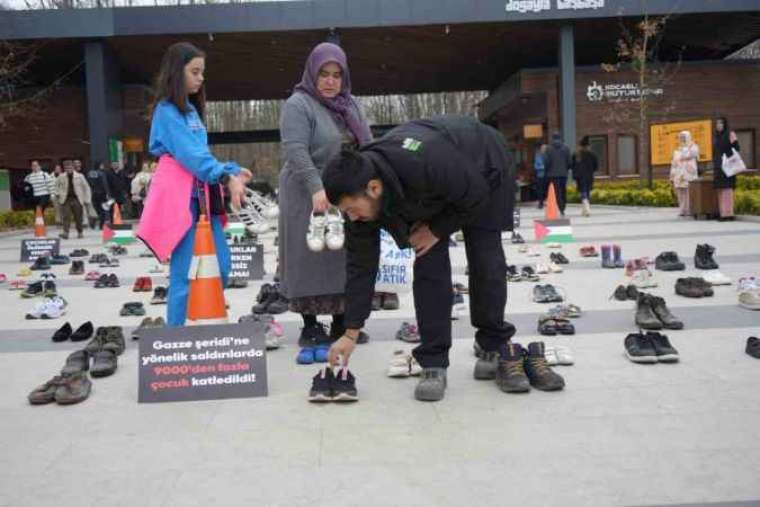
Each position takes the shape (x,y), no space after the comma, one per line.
(177,130)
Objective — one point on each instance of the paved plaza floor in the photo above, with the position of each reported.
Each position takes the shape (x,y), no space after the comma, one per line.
(619,434)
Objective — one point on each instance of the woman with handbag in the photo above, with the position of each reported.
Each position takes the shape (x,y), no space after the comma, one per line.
(683,170)
(724,143)
(188,179)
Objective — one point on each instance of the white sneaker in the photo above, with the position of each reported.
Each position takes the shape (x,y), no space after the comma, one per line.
(747,283)
(400,365)
(335,236)
(554,267)
(59,302)
(273,340)
(315,237)
(564,355)
(53,309)
(643,279)
(414,367)
(37,311)
(550,355)
(715,277)
(750,299)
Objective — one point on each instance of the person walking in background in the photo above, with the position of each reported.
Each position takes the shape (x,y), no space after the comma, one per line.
(140,184)
(78,165)
(319,117)
(73,194)
(118,185)
(724,142)
(683,170)
(539,164)
(558,162)
(57,171)
(188,179)
(96,178)
(41,184)
(585,164)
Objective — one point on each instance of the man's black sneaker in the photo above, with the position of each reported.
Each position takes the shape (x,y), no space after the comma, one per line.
(63,334)
(669,321)
(703,257)
(559,258)
(645,317)
(49,289)
(510,370)
(669,261)
(83,332)
(639,348)
(33,290)
(753,347)
(344,386)
(40,264)
(663,350)
(313,335)
(322,386)
(539,372)
(621,294)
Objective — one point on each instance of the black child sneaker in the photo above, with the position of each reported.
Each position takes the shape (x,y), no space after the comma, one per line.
(753,347)
(639,349)
(344,386)
(322,386)
(63,334)
(539,373)
(663,350)
(83,332)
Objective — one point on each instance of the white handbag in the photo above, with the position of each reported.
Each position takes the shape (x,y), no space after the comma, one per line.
(733,165)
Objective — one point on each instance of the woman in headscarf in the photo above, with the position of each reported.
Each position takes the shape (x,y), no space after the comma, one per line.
(319,118)
(683,170)
(724,142)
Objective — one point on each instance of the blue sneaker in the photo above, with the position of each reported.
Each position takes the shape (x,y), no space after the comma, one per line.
(320,353)
(305,356)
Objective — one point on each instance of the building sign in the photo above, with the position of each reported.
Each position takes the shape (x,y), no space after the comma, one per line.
(525,6)
(533,131)
(619,92)
(665,140)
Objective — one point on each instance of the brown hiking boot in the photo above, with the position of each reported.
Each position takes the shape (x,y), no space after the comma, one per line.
(510,372)
(540,374)
(46,392)
(97,341)
(114,340)
(73,389)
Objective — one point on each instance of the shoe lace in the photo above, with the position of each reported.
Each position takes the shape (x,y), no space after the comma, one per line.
(539,364)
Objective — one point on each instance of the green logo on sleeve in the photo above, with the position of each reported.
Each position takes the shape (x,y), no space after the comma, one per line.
(411,144)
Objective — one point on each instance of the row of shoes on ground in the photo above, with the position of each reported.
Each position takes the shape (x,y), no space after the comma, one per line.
(132,309)
(270,300)
(148,323)
(652,313)
(385,301)
(328,385)
(274,333)
(73,384)
(66,332)
(326,230)
(49,308)
(650,347)
(547,294)
(749,293)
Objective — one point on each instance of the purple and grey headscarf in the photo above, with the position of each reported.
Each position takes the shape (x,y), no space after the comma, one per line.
(341,106)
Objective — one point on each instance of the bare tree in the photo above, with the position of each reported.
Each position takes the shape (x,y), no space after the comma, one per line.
(638,49)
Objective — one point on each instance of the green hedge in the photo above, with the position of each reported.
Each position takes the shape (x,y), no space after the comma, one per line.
(635,193)
(10,220)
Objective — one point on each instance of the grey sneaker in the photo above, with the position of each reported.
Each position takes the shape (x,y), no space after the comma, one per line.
(669,321)
(432,385)
(486,366)
(645,316)
(510,373)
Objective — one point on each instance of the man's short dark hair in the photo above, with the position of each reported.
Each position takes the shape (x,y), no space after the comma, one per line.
(347,174)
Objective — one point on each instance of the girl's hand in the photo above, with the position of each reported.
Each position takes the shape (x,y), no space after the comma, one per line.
(732,136)
(237,192)
(245,175)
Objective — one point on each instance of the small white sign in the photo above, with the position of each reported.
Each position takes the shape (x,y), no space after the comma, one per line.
(525,6)
(619,92)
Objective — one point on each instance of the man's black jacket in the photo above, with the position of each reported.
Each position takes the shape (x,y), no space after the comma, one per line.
(448,172)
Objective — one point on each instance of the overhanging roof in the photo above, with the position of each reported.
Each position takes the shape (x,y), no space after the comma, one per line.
(395,46)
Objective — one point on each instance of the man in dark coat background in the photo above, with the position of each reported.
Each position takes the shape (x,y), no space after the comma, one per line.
(558,162)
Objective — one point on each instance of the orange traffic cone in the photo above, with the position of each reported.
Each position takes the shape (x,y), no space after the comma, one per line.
(39,223)
(116,215)
(552,211)
(205,304)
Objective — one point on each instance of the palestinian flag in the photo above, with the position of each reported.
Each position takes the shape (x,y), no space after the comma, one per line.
(551,231)
(234,229)
(121,234)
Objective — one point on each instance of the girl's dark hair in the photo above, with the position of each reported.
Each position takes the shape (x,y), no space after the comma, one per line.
(170,82)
